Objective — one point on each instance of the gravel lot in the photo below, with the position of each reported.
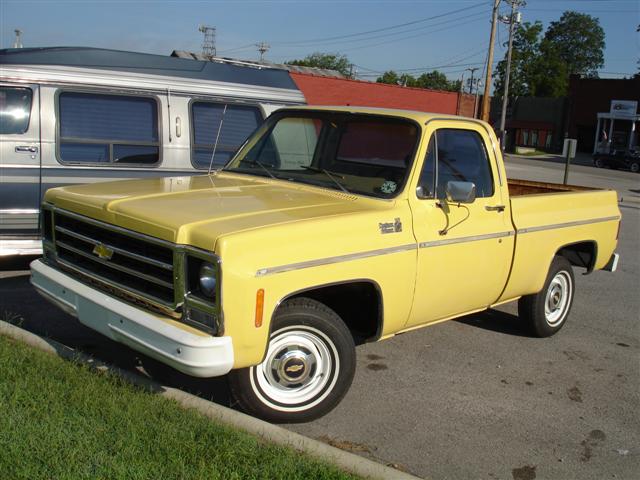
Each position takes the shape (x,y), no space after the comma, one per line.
(472,398)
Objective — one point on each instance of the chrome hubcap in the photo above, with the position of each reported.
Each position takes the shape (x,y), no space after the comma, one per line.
(557,300)
(300,368)
(293,367)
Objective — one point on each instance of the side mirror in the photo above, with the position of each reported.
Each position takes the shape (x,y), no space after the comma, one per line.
(460,192)
(423,192)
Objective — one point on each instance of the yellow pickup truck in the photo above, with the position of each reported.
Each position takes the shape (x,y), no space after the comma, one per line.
(329,228)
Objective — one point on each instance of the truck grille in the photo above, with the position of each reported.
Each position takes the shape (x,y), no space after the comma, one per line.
(136,263)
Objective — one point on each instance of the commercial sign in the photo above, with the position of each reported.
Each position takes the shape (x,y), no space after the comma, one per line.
(624,108)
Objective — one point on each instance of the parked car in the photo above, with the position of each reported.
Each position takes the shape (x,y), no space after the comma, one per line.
(79,115)
(619,159)
(329,228)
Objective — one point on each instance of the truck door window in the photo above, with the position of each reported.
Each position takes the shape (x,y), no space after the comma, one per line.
(101,129)
(461,156)
(15,110)
(239,122)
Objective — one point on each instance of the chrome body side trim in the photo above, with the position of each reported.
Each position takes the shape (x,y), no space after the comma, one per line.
(567,224)
(19,211)
(337,259)
(473,238)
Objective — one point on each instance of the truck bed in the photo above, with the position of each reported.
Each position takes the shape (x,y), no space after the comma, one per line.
(526,187)
(547,216)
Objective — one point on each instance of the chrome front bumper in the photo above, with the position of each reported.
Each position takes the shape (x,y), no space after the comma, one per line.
(195,354)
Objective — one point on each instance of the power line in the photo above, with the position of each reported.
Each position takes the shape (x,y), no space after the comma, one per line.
(391,27)
(234,49)
(392,34)
(410,36)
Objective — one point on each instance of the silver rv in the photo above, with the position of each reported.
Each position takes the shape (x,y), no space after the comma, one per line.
(80,115)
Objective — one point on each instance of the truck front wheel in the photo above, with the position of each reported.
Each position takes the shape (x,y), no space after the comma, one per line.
(308,368)
(546,311)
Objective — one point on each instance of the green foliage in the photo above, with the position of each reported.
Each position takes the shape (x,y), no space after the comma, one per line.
(524,61)
(330,61)
(578,39)
(64,421)
(434,80)
(541,64)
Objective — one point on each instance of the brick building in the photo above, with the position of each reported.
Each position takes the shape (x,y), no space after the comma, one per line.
(590,96)
(320,90)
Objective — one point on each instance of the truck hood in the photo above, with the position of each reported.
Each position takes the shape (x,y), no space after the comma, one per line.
(196,210)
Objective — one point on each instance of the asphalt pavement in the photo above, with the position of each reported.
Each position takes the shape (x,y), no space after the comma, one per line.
(474,397)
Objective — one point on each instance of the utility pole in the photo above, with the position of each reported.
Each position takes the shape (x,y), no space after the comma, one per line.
(18,41)
(512,20)
(472,70)
(263,48)
(475,102)
(484,111)
(209,41)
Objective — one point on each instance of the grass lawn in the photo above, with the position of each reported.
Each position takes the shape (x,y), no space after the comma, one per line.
(61,420)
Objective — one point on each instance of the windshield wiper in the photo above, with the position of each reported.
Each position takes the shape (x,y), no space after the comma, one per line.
(329,174)
(262,166)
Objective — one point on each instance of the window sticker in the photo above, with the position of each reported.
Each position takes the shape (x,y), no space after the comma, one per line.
(389,186)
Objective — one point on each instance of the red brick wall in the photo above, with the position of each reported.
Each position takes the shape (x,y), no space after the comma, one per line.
(467,104)
(337,91)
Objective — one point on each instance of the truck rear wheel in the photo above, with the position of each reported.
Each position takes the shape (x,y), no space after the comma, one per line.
(308,368)
(546,311)
(635,167)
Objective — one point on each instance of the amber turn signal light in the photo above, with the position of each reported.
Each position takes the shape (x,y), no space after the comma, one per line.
(259,307)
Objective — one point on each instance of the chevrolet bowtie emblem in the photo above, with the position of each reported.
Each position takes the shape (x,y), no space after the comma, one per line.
(294,368)
(103,251)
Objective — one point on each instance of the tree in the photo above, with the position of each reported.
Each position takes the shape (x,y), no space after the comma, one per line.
(437,81)
(433,80)
(330,61)
(540,66)
(390,77)
(525,52)
(550,77)
(578,39)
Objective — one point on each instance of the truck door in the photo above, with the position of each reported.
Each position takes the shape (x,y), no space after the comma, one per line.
(465,250)
(19,161)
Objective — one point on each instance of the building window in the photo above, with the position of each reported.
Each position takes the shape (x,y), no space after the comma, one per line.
(101,129)
(547,143)
(525,137)
(15,110)
(238,123)
(534,138)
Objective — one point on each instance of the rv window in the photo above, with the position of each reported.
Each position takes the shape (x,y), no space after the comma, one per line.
(15,110)
(238,123)
(97,128)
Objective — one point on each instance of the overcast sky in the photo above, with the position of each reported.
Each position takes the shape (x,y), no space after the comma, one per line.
(450,35)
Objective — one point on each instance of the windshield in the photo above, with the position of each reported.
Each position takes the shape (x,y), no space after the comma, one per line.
(365,154)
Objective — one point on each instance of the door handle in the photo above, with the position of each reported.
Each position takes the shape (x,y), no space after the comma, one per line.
(26,149)
(495,208)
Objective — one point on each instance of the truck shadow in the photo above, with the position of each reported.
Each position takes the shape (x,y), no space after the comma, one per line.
(21,305)
(496,321)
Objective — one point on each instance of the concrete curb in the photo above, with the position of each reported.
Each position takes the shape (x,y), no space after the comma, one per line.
(272,433)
